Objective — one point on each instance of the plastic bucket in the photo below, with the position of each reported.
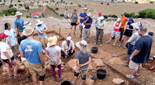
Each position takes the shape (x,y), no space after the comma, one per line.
(66,82)
(94,49)
(101,73)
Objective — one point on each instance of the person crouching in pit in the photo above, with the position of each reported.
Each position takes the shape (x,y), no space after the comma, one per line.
(68,48)
(83,58)
(53,54)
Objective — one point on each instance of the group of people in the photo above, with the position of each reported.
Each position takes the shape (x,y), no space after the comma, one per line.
(32,51)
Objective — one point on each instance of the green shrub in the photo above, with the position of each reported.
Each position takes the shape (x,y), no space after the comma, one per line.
(79,5)
(27,7)
(151,2)
(20,5)
(10,6)
(43,14)
(27,16)
(136,2)
(56,8)
(15,4)
(3,3)
(39,6)
(62,15)
(18,0)
(52,10)
(101,2)
(7,12)
(114,16)
(105,16)
(107,3)
(71,3)
(0,0)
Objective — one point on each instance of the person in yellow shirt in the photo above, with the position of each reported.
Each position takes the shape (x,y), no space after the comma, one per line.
(123,21)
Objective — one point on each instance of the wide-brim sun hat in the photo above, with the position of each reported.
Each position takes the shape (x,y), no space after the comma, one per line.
(68,38)
(26,24)
(136,25)
(52,41)
(28,31)
(89,14)
(18,13)
(39,22)
(83,46)
(119,19)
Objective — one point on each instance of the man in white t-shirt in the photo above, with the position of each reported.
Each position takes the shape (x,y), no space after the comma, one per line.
(68,48)
(7,57)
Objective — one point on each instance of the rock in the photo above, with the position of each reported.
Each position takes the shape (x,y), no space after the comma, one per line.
(97,62)
(71,64)
(115,60)
(118,81)
(89,81)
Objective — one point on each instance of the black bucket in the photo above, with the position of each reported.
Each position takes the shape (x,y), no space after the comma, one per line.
(94,49)
(101,73)
(66,82)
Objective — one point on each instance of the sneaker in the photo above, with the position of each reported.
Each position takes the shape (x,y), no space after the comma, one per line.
(107,42)
(119,45)
(62,77)
(10,77)
(28,78)
(137,75)
(113,44)
(100,44)
(125,65)
(73,83)
(18,76)
(130,76)
(95,43)
(55,79)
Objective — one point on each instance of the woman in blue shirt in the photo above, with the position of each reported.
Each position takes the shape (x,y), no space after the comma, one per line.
(11,40)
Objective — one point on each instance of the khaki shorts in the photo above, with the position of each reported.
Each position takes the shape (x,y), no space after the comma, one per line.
(43,41)
(80,27)
(25,63)
(36,68)
(84,71)
(134,65)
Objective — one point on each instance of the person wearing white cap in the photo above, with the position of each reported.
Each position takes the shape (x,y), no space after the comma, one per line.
(131,42)
(41,30)
(18,24)
(86,29)
(53,53)
(68,48)
(115,33)
(100,29)
(81,17)
(25,25)
(33,51)
(83,59)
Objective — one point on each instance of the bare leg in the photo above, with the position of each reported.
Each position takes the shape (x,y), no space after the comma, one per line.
(122,40)
(8,69)
(134,72)
(74,29)
(83,82)
(110,39)
(81,32)
(139,70)
(115,40)
(34,78)
(27,72)
(75,79)
(15,63)
(41,82)
(70,29)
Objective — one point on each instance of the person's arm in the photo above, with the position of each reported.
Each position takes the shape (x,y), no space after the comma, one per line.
(41,32)
(45,29)
(15,27)
(134,53)
(63,48)
(47,55)
(58,58)
(85,21)
(81,65)
(77,19)
(41,57)
(118,26)
(6,55)
(77,60)
(71,18)
(73,46)
(81,18)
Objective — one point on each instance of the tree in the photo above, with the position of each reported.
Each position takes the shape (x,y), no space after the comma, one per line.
(4,1)
(18,0)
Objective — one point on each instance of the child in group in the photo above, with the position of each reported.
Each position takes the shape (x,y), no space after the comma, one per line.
(53,53)
(115,33)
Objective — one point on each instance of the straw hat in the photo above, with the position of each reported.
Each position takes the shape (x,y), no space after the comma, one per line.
(68,38)
(83,46)
(89,14)
(26,24)
(39,22)
(18,13)
(52,41)
(28,31)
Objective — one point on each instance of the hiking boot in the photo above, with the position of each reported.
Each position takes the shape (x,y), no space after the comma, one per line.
(62,77)
(130,76)
(55,79)
(107,42)
(137,75)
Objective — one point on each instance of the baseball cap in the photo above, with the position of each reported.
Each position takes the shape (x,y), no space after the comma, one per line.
(123,13)
(99,13)
(2,35)
(85,8)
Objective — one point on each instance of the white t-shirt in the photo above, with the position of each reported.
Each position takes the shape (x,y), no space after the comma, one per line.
(66,47)
(54,54)
(5,48)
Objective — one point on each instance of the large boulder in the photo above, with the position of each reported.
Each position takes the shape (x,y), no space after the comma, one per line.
(118,81)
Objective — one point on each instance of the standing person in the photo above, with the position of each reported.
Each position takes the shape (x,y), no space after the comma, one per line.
(83,59)
(11,40)
(68,48)
(18,24)
(74,22)
(141,53)
(53,54)
(86,30)
(66,13)
(100,29)
(131,42)
(42,29)
(128,31)
(123,21)
(32,50)
(81,17)
(8,58)
(115,33)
